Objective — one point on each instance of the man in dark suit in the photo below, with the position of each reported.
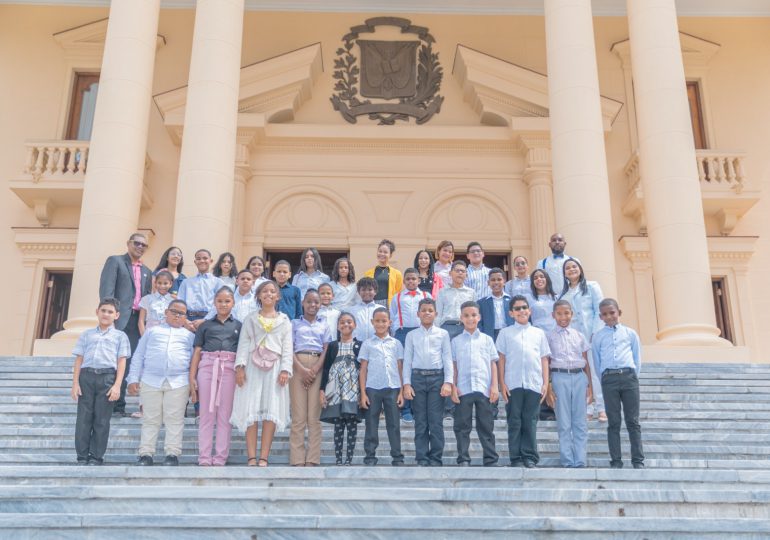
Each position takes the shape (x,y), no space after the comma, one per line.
(125,277)
(489,324)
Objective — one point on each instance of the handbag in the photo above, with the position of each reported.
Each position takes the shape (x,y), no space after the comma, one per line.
(264,358)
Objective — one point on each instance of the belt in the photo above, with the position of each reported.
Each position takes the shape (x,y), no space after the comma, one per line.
(197,313)
(219,359)
(428,371)
(311,353)
(98,371)
(570,371)
(453,322)
(617,371)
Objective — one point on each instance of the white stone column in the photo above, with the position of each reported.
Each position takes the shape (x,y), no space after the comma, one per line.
(538,176)
(206,169)
(673,205)
(580,181)
(112,189)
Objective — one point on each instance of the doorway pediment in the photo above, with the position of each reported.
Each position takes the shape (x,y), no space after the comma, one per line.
(270,91)
(506,94)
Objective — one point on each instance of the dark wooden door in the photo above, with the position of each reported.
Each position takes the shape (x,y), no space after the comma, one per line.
(722,308)
(56,300)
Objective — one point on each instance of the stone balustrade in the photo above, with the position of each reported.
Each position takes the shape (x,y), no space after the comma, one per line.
(53,176)
(56,159)
(725,189)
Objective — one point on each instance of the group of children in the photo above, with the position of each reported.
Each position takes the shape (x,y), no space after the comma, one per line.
(338,350)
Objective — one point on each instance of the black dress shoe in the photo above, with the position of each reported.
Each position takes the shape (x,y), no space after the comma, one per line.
(170,460)
(464,464)
(529,464)
(616,464)
(495,464)
(95,461)
(145,461)
(82,461)
(516,464)
(638,465)
(118,413)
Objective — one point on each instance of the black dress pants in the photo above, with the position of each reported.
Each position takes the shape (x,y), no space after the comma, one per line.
(92,427)
(485,427)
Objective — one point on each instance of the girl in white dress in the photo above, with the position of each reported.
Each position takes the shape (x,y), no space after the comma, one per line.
(263,365)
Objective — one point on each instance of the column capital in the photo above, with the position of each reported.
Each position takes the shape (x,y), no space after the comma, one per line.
(537,150)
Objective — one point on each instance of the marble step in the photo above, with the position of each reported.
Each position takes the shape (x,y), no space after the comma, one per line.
(392,501)
(598,478)
(409,527)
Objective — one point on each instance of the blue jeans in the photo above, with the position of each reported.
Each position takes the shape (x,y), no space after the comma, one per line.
(428,410)
(570,390)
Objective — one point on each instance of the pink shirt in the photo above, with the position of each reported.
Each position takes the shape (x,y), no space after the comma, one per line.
(136,268)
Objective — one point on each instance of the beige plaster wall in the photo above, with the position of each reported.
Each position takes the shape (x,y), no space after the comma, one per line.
(364,189)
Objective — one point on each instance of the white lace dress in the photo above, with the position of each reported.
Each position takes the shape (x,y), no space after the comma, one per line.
(261,397)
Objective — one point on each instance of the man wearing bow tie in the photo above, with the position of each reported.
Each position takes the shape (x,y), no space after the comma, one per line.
(404,319)
(126,278)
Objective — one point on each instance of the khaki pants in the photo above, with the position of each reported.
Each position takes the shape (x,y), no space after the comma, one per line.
(167,406)
(305,412)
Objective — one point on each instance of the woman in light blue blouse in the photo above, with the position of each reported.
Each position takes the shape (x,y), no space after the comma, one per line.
(584,296)
(541,298)
(311,273)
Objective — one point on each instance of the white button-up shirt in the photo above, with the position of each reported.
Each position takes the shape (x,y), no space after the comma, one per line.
(382,356)
(345,296)
(101,349)
(155,304)
(475,357)
(524,346)
(330,316)
(518,286)
(403,309)
(363,315)
(478,280)
(554,267)
(428,348)
(615,348)
(198,291)
(163,354)
(567,348)
(449,301)
(541,311)
(499,305)
(304,281)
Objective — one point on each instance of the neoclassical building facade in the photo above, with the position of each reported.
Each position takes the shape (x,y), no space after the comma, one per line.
(638,132)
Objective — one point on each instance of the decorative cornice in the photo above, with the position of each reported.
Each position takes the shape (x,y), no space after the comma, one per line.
(501,92)
(696,52)
(601,8)
(735,250)
(271,90)
(87,40)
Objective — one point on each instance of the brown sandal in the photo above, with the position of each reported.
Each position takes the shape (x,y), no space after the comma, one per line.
(248,462)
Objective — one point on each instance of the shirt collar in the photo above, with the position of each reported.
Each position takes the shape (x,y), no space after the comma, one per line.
(474,334)
(103,332)
(229,318)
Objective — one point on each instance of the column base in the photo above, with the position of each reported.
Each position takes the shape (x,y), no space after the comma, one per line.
(62,343)
(692,335)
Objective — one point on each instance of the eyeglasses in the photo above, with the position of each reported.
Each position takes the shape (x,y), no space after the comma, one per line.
(519,308)
(520,263)
(474,251)
(176,313)
(139,244)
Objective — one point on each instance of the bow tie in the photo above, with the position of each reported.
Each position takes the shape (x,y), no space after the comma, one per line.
(411,293)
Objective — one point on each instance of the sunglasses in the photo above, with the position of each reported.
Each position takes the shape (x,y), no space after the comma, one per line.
(139,244)
(519,308)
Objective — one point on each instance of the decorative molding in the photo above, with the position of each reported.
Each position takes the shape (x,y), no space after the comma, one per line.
(36,243)
(500,92)
(601,8)
(271,90)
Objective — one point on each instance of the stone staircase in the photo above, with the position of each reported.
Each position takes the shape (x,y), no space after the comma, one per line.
(706,439)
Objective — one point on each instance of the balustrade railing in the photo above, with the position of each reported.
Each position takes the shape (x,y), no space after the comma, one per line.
(714,169)
(57,159)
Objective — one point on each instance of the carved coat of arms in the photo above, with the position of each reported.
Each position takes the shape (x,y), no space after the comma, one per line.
(403,76)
